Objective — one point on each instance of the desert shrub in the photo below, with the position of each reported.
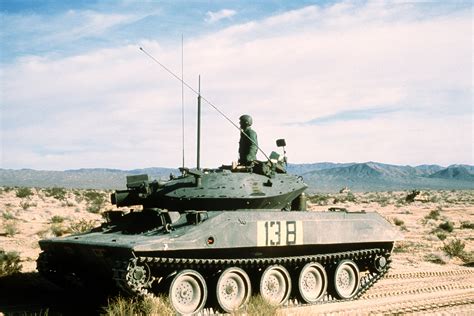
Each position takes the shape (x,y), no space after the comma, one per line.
(435,258)
(446,226)
(7,189)
(11,228)
(57,219)
(434,199)
(383,200)
(454,248)
(67,204)
(78,197)
(25,205)
(467,257)
(43,233)
(350,197)
(81,226)
(258,306)
(24,192)
(57,193)
(467,225)
(434,214)
(9,263)
(58,229)
(7,215)
(342,198)
(119,306)
(319,199)
(441,235)
(94,208)
(402,246)
(398,221)
(400,202)
(95,201)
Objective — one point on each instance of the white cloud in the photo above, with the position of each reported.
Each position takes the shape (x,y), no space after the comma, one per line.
(116,108)
(50,34)
(212,17)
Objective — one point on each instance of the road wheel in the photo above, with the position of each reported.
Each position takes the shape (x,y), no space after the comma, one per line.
(312,282)
(188,292)
(233,289)
(346,279)
(275,285)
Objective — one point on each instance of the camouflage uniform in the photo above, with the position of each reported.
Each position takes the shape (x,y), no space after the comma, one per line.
(247,148)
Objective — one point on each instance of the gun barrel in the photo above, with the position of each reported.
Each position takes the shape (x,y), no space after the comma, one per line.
(125,198)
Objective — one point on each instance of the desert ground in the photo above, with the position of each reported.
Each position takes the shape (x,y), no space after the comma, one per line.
(431,270)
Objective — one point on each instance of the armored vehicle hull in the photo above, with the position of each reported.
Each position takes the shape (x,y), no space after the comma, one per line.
(225,256)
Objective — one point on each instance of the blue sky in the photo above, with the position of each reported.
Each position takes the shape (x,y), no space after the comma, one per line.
(387,81)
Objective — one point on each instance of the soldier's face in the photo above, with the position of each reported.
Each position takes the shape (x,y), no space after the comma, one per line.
(243,124)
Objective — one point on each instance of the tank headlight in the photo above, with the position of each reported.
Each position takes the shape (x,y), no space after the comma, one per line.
(210,240)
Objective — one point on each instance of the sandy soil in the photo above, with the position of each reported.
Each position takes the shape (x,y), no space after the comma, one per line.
(423,278)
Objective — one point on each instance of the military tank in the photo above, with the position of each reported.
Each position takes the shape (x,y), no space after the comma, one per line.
(215,236)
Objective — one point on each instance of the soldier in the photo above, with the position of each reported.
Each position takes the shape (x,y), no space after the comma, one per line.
(247,144)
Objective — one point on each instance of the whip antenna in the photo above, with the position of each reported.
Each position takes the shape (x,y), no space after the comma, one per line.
(204,99)
(198,155)
(182,91)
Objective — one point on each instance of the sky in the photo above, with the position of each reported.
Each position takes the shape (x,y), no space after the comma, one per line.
(341,81)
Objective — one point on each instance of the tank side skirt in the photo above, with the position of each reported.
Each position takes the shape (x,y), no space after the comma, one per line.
(123,268)
(266,252)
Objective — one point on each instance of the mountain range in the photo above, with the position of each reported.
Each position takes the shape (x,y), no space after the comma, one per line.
(320,177)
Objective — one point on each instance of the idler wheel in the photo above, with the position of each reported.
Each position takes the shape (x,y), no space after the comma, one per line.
(188,292)
(275,285)
(379,263)
(233,289)
(312,282)
(346,279)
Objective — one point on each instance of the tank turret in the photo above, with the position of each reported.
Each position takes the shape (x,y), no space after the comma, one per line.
(262,185)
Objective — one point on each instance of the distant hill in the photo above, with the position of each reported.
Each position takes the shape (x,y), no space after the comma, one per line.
(307,167)
(428,169)
(373,176)
(80,178)
(468,167)
(458,173)
(320,177)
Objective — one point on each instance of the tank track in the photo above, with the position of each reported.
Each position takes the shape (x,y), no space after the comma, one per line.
(131,275)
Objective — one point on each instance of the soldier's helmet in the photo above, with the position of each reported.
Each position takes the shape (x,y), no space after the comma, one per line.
(245,120)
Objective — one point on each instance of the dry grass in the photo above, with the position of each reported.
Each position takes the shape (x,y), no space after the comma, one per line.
(57,193)
(120,306)
(455,248)
(95,200)
(24,193)
(8,215)
(259,307)
(9,263)
(57,219)
(58,229)
(81,226)
(11,227)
